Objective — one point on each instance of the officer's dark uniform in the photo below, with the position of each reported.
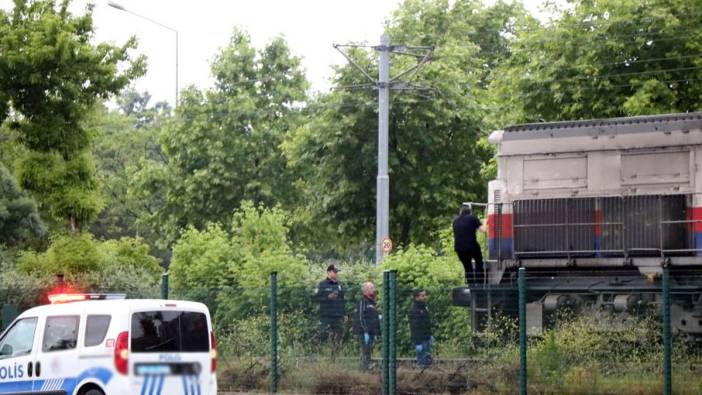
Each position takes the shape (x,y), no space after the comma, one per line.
(331,311)
(420,332)
(366,324)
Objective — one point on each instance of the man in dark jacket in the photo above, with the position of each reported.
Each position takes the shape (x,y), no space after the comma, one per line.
(366,323)
(420,328)
(330,296)
(466,244)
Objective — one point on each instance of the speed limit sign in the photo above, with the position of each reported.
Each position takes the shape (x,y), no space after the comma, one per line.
(386,245)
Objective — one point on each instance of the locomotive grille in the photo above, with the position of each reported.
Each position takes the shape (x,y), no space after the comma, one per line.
(611,226)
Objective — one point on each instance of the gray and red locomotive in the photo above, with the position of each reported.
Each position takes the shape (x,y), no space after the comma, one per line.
(594,210)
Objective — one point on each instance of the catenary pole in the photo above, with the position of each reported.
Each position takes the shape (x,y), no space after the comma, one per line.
(384,84)
(383,180)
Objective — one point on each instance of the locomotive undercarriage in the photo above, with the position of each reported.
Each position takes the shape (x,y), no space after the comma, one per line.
(620,292)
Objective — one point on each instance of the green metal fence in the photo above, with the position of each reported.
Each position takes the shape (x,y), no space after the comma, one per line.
(270,340)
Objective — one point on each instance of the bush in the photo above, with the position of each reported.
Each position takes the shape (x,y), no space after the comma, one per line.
(88,265)
(67,254)
(203,261)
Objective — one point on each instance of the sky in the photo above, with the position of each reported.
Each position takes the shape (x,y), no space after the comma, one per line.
(310,27)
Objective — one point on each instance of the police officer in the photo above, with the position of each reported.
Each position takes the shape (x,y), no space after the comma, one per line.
(366,323)
(420,328)
(330,296)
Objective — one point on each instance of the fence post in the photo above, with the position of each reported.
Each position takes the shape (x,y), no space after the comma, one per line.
(274,332)
(522,333)
(385,325)
(392,386)
(164,286)
(667,343)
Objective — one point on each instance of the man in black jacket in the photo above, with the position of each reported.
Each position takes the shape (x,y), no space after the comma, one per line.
(330,295)
(466,244)
(366,323)
(420,328)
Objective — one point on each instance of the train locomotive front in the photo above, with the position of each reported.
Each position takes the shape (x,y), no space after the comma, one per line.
(594,210)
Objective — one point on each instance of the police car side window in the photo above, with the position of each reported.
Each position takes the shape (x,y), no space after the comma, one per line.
(96,328)
(60,333)
(18,339)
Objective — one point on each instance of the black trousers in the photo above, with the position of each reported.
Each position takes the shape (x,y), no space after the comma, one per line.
(331,329)
(473,276)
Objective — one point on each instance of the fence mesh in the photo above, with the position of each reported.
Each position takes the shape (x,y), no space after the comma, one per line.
(589,331)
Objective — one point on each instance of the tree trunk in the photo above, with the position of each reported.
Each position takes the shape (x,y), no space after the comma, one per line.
(75,225)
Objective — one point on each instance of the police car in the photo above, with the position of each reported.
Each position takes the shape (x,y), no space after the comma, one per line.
(100,344)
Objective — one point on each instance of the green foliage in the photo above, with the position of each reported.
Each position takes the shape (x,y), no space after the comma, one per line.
(19,218)
(51,75)
(124,140)
(222,148)
(66,186)
(67,254)
(117,265)
(261,235)
(604,59)
(133,253)
(203,259)
(419,266)
(434,160)
(231,271)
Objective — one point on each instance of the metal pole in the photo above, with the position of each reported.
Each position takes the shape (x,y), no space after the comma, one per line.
(522,333)
(164,285)
(383,182)
(667,344)
(274,332)
(392,385)
(120,7)
(386,333)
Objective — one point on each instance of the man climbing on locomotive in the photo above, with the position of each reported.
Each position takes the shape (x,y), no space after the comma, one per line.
(465,227)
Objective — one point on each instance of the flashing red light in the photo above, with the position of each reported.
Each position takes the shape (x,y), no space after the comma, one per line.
(122,353)
(66,298)
(76,297)
(213,353)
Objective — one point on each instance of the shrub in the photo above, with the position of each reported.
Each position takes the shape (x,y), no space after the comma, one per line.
(88,265)
(66,254)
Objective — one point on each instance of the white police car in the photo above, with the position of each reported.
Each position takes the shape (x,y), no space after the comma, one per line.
(98,344)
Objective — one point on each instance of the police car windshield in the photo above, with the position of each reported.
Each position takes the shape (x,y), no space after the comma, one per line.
(169,331)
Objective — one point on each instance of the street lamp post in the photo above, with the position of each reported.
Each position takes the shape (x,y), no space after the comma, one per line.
(122,8)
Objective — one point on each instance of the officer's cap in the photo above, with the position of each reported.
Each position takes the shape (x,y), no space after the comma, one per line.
(332,268)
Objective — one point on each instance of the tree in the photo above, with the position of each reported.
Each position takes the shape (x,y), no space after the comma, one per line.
(223,146)
(19,218)
(435,149)
(51,76)
(126,138)
(231,268)
(599,59)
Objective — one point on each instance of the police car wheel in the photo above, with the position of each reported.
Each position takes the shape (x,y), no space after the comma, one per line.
(93,392)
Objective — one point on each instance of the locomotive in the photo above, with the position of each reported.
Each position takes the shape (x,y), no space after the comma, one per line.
(594,210)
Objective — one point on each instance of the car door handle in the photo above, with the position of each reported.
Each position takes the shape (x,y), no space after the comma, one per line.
(38,368)
(30,369)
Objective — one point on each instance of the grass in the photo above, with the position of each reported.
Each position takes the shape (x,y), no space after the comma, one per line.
(575,357)
(324,376)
